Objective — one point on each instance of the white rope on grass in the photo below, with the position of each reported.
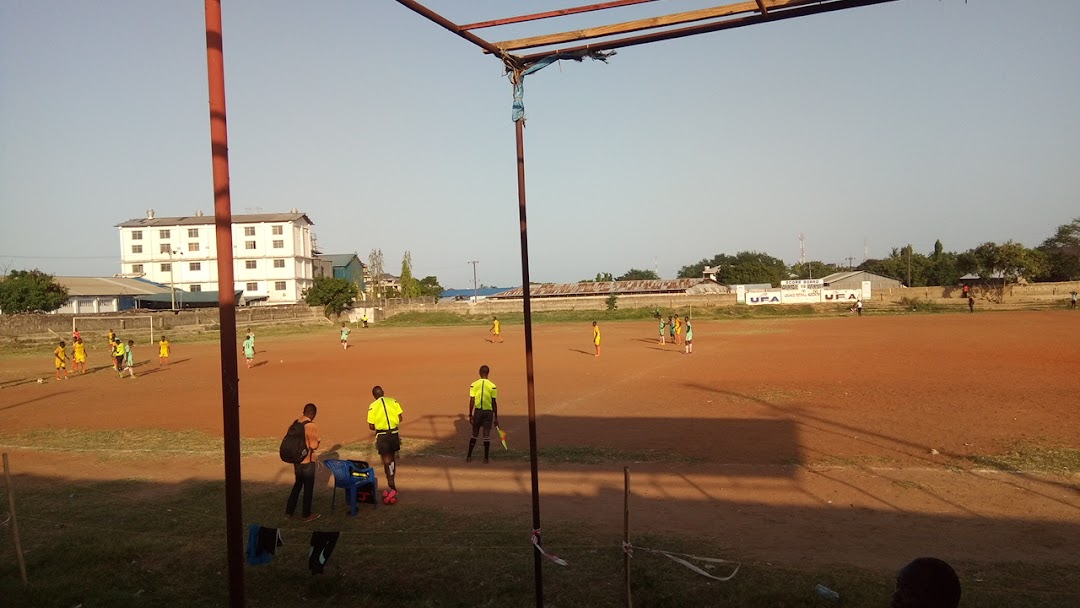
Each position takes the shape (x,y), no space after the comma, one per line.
(629,549)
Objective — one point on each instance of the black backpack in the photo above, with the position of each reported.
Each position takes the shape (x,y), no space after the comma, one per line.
(294,446)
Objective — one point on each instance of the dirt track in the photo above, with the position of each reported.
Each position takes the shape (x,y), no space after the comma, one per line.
(791,440)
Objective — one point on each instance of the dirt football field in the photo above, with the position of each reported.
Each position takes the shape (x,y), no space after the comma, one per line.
(861,441)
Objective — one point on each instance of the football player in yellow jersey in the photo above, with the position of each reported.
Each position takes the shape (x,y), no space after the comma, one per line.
(384,417)
(496,330)
(60,359)
(164,347)
(79,356)
(118,351)
(112,347)
(596,338)
(483,411)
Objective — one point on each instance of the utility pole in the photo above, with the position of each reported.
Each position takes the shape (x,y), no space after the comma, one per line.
(802,254)
(909,265)
(849,261)
(172,281)
(475,297)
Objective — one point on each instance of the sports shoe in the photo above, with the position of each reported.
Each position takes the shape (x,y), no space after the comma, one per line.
(311,518)
(468,459)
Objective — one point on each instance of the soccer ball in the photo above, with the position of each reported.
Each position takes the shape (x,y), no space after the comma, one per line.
(40,381)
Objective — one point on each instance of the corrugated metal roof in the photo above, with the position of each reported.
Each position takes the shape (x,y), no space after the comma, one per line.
(468,293)
(338,260)
(109,286)
(847,274)
(198,220)
(186,297)
(603,288)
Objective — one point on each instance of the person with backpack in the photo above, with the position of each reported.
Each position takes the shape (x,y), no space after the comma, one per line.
(298,447)
(384,417)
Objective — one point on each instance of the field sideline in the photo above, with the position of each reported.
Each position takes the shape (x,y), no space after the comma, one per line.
(857,442)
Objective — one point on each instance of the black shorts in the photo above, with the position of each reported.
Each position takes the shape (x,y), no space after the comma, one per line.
(120,362)
(482,419)
(387,443)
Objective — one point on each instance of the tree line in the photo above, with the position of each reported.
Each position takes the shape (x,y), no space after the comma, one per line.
(1056,259)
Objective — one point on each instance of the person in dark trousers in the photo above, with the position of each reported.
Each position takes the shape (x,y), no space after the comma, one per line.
(971,303)
(305,471)
(384,417)
(483,411)
(927,582)
(1073,304)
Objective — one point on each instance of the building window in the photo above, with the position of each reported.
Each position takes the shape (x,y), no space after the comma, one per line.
(279,285)
(193,233)
(136,269)
(249,244)
(136,235)
(275,230)
(165,248)
(279,263)
(195,288)
(249,231)
(192,246)
(252,287)
(195,266)
(250,264)
(166,267)
(136,249)
(279,244)
(163,234)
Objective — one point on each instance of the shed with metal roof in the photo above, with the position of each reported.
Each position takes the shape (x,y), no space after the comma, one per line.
(853,279)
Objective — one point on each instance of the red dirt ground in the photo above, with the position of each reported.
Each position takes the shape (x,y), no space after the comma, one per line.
(791,440)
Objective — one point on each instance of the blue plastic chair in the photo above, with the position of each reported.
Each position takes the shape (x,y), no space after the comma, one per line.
(352,478)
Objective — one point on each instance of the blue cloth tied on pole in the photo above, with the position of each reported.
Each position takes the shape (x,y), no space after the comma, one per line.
(518,108)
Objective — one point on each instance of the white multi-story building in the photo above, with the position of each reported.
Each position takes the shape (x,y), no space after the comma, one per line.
(273,257)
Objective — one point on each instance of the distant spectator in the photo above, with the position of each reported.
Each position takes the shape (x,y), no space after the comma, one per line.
(858,307)
(971,303)
(1073,294)
(927,582)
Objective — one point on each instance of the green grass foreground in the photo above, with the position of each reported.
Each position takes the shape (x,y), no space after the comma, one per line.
(138,543)
(112,444)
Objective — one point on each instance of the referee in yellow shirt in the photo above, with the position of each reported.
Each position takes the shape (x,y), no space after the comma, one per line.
(384,417)
(483,411)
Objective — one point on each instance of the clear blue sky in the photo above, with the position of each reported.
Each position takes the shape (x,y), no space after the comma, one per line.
(904,122)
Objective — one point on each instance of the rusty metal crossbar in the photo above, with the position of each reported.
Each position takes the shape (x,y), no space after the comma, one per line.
(624,34)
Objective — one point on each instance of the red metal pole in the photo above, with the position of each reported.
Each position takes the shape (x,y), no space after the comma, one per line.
(230,390)
(530,380)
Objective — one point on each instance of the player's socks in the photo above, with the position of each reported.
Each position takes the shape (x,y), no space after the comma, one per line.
(472,444)
(487,448)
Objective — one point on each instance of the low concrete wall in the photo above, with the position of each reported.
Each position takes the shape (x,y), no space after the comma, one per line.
(489,307)
(29,325)
(1036,295)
